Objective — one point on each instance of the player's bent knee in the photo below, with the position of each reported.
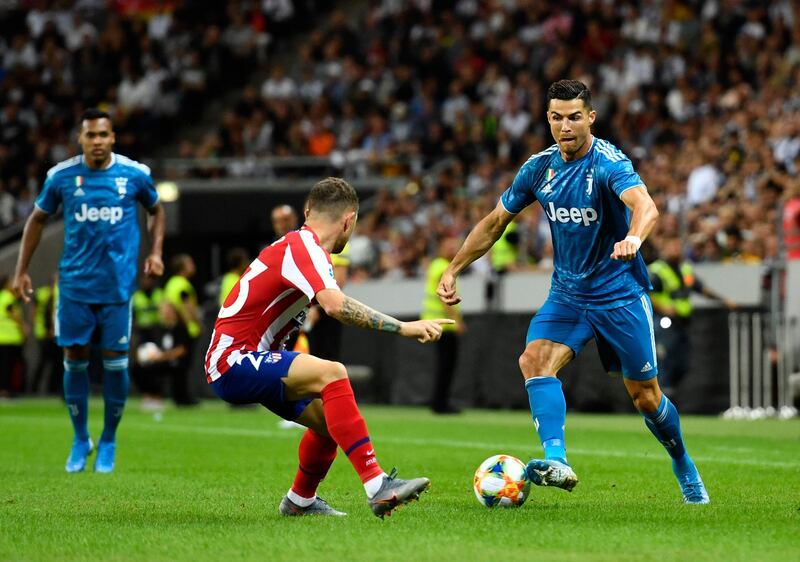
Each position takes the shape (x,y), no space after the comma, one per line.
(532,365)
(525,365)
(645,400)
(333,371)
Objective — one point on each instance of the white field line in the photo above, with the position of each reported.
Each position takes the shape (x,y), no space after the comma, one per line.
(447,443)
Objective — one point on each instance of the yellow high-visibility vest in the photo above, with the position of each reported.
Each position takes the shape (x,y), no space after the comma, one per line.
(504,253)
(44,296)
(673,293)
(10,330)
(342,259)
(145,307)
(433,307)
(176,286)
(227,284)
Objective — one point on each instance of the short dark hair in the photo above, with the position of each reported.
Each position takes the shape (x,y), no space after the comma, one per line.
(178,262)
(332,196)
(570,90)
(93,113)
(236,258)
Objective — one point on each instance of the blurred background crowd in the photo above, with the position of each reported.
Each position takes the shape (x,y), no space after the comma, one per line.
(151,65)
(702,95)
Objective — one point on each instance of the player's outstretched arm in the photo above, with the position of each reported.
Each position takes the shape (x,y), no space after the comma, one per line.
(350,311)
(480,239)
(31,235)
(156,225)
(644,215)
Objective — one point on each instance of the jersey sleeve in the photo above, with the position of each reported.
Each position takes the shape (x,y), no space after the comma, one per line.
(147,194)
(622,176)
(50,197)
(520,194)
(306,266)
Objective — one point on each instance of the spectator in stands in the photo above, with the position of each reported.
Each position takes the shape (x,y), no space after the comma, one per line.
(278,86)
(7,204)
(791,221)
(702,94)
(147,64)
(425,84)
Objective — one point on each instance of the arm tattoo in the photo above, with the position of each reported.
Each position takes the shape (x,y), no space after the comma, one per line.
(357,314)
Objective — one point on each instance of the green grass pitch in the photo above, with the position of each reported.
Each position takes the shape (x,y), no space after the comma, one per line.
(204,484)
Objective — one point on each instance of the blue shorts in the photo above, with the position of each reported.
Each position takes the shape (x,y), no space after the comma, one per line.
(255,378)
(624,335)
(76,323)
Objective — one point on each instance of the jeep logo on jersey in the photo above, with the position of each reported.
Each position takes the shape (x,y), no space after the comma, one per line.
(585,215)
(94,214)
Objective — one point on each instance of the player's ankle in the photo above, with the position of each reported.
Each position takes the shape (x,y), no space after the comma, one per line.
(374,484)
(684,462)
(299,500)
(554,450)
(562,460)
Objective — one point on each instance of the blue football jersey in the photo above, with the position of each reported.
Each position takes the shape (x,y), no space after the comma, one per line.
(101,225)
(581,199)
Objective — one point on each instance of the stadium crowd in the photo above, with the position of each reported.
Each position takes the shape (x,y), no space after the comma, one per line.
(149,64)
(701,95)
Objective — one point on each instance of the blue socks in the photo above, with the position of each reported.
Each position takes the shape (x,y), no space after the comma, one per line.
(115,392)
(549,412)
(76,396)
(665,424)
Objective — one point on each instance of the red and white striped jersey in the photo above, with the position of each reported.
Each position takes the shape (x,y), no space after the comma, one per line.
(270,300)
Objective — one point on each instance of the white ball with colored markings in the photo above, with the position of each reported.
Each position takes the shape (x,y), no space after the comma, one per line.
(501,481)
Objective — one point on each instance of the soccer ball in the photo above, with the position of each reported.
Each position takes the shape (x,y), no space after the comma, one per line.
(146,353)
(501,481)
